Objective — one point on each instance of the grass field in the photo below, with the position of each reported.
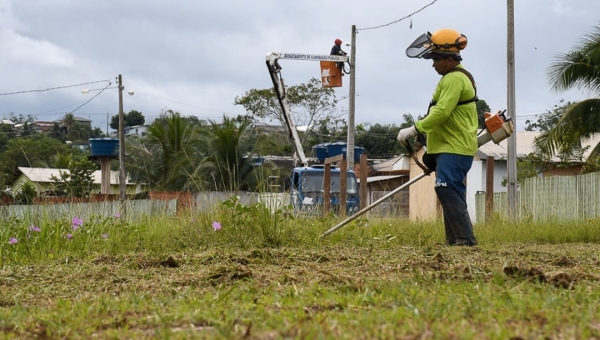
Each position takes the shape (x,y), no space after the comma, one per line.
(242,273)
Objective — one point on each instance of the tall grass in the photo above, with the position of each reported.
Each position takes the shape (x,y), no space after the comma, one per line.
(248,226)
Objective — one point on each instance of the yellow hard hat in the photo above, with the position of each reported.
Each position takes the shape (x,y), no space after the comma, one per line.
(447,40)
(441,42)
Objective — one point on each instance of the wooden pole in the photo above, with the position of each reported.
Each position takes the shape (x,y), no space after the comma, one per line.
(351,101)
(489,188)
(364,174)
(343,186)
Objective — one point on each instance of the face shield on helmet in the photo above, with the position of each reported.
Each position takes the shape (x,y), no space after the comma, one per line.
(444,42)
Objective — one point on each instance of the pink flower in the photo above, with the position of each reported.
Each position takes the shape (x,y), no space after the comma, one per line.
(117,215)
(77,222)
(105,236)
(35,228)
(216,225)
(69,236)
(12,240)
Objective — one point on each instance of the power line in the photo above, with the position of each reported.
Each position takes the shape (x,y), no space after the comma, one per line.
(396,21)
(89,100)
(55,88)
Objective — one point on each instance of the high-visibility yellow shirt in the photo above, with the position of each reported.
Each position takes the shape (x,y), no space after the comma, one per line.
(451,128)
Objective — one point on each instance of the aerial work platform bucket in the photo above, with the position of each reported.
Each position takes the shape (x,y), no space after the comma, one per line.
(331,74)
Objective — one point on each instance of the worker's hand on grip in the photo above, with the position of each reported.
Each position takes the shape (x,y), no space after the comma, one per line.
(405,134)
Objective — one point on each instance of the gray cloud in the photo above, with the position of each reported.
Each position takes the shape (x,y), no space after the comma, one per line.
(197,56)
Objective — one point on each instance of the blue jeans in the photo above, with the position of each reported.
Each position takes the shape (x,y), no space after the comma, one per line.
(451,171)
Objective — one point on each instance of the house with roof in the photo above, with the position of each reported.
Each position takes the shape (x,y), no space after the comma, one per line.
(42,126)
(136,130)
(416,202)
(498,153)
(41,178)
(422,201)
(77,120)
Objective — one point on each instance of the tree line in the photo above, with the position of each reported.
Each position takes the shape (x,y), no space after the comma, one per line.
(190,154)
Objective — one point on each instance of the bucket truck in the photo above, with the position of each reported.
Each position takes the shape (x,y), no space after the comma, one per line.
(307,181)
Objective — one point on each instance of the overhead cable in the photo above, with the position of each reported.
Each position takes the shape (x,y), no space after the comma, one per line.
(396,21)
(54,88)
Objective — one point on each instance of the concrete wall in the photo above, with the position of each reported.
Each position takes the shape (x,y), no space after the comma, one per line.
(475,184)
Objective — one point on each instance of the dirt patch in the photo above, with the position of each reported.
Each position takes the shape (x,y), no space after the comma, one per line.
(228,274)
(562,280)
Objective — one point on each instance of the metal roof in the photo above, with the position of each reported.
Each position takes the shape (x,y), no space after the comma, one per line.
(392,164)
(525,146)
(44,175)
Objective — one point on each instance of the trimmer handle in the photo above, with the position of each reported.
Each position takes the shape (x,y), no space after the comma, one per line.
(421,138)
(409,147)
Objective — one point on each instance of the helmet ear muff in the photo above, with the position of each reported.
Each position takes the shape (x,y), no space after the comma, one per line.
(461,42)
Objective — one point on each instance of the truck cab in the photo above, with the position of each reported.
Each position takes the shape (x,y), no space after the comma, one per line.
(306,190)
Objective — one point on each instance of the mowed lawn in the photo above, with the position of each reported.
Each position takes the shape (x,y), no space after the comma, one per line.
(176,279)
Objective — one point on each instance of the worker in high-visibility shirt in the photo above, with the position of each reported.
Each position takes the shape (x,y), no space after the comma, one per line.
(451,128)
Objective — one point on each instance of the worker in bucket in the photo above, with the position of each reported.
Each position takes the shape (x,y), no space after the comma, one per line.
(337,48)
(451,129)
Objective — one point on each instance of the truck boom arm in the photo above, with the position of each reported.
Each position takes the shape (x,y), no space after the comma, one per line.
(275,72)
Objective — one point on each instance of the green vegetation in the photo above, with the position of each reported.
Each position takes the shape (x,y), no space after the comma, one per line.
(132,118)
(243,272)
(576,69)
(79,181)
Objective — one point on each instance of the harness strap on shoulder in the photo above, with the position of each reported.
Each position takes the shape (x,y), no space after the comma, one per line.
(470,76)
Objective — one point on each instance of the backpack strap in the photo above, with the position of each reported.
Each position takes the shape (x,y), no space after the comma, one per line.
(470,76)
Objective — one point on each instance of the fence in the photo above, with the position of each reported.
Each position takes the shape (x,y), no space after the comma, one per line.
(556,198)
(135,209)
(164,204)
(540,199)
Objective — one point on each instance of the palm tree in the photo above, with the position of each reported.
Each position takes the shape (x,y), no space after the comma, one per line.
(229,151)
(168,154)
(579,68)
(68,121)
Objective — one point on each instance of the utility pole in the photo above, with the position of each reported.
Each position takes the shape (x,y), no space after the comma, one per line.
(351,101)
(512,113)
(121,149)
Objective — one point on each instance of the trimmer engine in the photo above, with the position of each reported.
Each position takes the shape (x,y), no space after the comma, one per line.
(497,128)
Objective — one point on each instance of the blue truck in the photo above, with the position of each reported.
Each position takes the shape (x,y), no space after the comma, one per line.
(307,194)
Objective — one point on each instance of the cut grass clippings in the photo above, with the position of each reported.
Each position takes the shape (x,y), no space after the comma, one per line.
(373,280)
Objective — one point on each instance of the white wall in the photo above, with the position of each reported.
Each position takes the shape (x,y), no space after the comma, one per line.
(500,174)
(475,183)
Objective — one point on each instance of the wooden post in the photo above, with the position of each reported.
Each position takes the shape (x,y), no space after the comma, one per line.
(327,189)
(343,186)
(364,173)
(327,177)
(489,188)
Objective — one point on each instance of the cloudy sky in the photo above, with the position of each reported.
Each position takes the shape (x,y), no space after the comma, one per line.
(196,56)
